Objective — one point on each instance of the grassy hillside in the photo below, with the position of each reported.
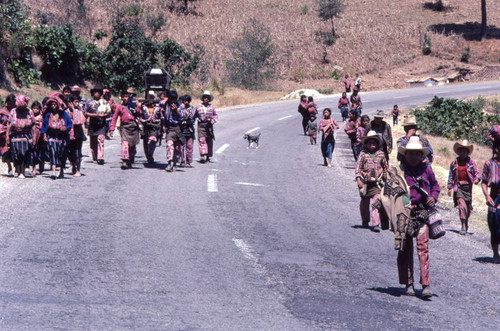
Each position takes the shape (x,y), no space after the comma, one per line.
(381,39)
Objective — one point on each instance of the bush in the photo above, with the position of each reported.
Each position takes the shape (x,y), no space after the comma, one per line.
(2,102)
(454,119)
(325,91)
(426,45)
(304,10)
(298,74)
(252,64)
(465,56)
(59,49)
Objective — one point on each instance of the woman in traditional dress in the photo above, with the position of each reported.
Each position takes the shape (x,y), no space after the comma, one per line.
(76,135)
(344,104)
(327,126)
(463,174)
(491,178)
(55,131)
(207,116)
(38,143)
(20,135)
(303,105)
(10,103)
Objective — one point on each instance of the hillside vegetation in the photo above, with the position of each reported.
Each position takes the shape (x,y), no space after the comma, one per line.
(381,39)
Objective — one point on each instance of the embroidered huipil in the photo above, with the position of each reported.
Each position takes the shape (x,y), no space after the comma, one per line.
(343,102)
(360,133)
(78,121)
(356,101)
(471,170)
(426,179)
(206,114)
(124,114)
(494,132)
(374,165)
(52,126)
(327,127)
(491,176)
(351,128)
(172,118)
(21,125)
(303,108)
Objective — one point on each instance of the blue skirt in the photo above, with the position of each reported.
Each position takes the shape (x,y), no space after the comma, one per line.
(327,146)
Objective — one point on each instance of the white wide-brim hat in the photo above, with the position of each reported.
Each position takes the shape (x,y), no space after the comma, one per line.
(414,145)
(464,144)
(207,94)
(371,135)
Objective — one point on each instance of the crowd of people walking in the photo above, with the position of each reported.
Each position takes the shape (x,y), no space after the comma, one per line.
(402,195)
(53,131)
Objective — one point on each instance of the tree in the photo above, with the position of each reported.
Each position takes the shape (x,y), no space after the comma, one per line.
(252,64)
(483,19)
(330,9)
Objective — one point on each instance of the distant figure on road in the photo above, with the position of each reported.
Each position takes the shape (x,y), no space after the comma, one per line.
(462,176)
(357,83)
(371,169)
(360,133)
(491,178)
(303,106)
(347,83)
(312,107)
(424,192)
(174,115)
(327,126)
(411,128)
(151,121)
(395,115)
(351,128)
(188,131)
(97,112)
(312,129)
(76,135)
(10,103)
(344,105)
(207,116)
(129,130)
(356,103)
(20,135)
(55,129)
(384,130)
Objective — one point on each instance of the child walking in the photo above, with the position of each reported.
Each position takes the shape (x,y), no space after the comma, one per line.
(370,169)
(327,125)
(463,174)
(395,115)
(312,129)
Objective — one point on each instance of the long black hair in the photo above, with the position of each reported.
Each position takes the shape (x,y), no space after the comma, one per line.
(496,145)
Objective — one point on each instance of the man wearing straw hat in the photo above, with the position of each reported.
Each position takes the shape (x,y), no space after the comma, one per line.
(463,174)
(411,129)
(207,116)
(383,129)
(424,192)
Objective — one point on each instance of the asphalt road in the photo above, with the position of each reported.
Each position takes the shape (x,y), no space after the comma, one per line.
(260,239)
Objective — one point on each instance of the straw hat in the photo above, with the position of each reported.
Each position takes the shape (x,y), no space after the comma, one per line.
(371,135)
(464,144)
(131,91)
(379,113)
(75,88)
(207,93)
(410,120)
(413,145)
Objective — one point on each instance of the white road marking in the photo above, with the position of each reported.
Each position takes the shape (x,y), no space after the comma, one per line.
(254,129)
(401,97)
(481,88)
(249,184)
(222,149)
(284,118)
(212,183)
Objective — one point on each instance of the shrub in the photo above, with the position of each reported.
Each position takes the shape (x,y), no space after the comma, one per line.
(426,45)
(132,10)
(2,102)
(325,91)
(454,119)
(298,74)
(336,75)
(465,56)
(304,10)
(444,150)
(252,64)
